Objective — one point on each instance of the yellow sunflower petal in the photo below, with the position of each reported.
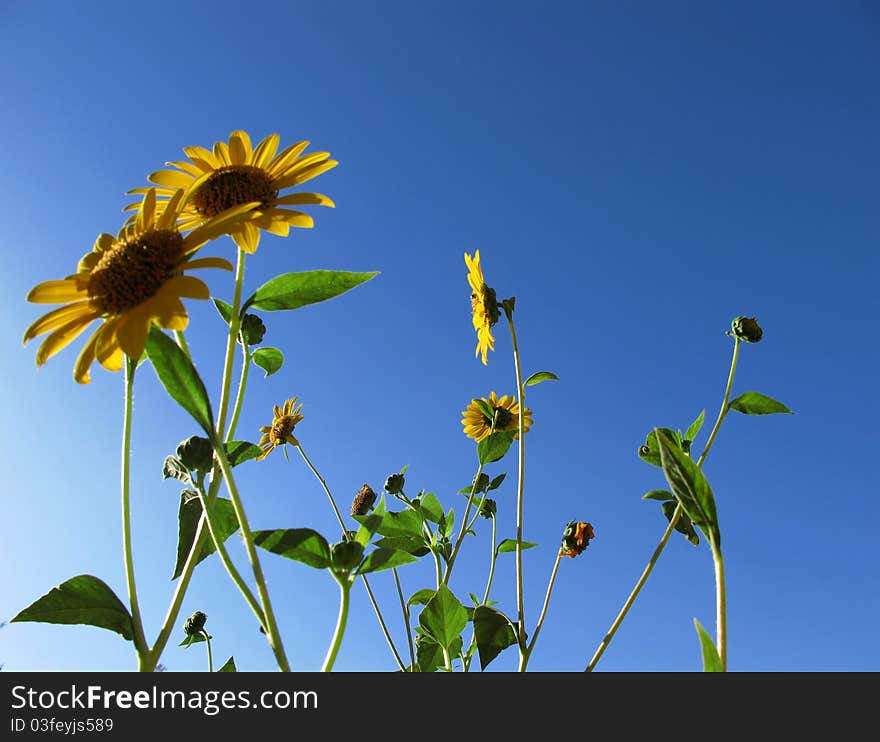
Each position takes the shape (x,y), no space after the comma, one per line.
(301,176)
(171,178)
(62,337)
(57,292)
(58,317)
(247,237)
(84,360)
(187,167)
(299,199)
(221,154)
(277,411)
(132,330)
(147,211)
(185,286)
(240,149)
(170,313)
(207,263)
(265,151)
(287,157)
(202,158)
(293,218)
(107,350)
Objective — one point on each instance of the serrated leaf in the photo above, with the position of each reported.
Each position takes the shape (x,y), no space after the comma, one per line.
(173,467)
(300,544)
(295,290)
(753,403)
(268,359)
(228,666)
(180,379)
(444,617)
(509,544)
(380,559)
(431,507)
(493,633)
(404,523)
(496,483)
(83,599)
(694,428)
(538,377)
(188,516)
(711,659)
(493,447)
(658,495)
(240,451)
(224,309)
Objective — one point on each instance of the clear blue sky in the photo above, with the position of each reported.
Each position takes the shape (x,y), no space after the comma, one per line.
(636,174)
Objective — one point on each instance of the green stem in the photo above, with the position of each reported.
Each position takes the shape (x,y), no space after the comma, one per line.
(720,606)
(520,608)
(345,589)
(271,625)
(524,661)
(405,610)
(232,337)
(492,558)
(210,656)
(462,530)
(672,522)
(140,642)
(242,385)
(372,597)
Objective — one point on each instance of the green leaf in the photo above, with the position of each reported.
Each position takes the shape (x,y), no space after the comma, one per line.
(752,403)
(493,633)
(689,486)
(240,451)
(381,559)
(694,428)
(228,666)
(493,447)
(509,544)
(369,524)
(658,495)
(496,483)
(444,617)
(486,409)
(295,290)
(173,467)
(301,544)
(193,639)
(83,599)
(537,378)
(180,379)
(683,524)
(711,660)
(448,523)
(409,544)
(429,654)
(431,507)
(650,453)
(421,597)
(404,523)
(188,516)
(268,359)
(224,309)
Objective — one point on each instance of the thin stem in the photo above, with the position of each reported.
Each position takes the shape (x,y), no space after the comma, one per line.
(720,606)
(271,626)
(140,642)
(493,556)
(405,610)
(210,656)
(672,521)
(372,597)
(462,530)
(234,327)
(528,654)
(242,385)
(345,589)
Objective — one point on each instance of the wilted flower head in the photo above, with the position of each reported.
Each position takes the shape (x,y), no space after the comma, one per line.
(363,501)
(576,538)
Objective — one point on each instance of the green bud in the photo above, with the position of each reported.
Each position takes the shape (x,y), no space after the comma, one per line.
(252,329)
(195,623)
(747,328)
(488,509)
(196,453)
(346,555)
(394,483)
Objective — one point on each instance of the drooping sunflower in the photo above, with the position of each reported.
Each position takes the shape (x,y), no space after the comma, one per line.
(484,305)
(506,411)
(130,282)
(576,538)
(237,173)
(281,430)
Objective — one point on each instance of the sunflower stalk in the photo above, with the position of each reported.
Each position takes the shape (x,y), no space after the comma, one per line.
(531,646)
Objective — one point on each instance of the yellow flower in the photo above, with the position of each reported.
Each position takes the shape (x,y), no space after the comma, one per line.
(130,281)
(576,538)
(483,304)
(506,411)
(237,173)
(281,429)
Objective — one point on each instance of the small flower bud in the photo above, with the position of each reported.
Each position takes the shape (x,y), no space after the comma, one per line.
(252,329)
(363,501)
(196,453)
(747,328)
(488,508)
(346,555)
(576,538)
(394,484)
(195,623)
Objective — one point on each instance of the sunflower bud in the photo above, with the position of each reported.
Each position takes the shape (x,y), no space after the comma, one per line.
(488,508)
(363,501)
(195,623)
(252,330)
(576,538)
(346,555)
(747,328)
(196,453)
(394,484)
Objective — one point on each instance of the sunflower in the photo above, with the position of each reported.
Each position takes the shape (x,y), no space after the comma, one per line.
(506,411)
(130,281)
(281,429)
(484,306)
(237,173)
(576,538)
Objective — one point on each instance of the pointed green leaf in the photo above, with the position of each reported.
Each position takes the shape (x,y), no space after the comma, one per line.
(509,544)
(711,660)
(268,359)
(444,617)
(493,633)
(228,666)
(369,524)
(429,654)
(240,451)
(420,597)
(173,467)
(752,403)
(193,639)
(180,379)
(83,599)
(650,453)
(658,495)
(294,290)
(694,428)
(381,559)
(301,544)
(188,516)
(431,507)
(538,377)
(409,544)
(448,523)
(493,447)
(224,309)
(496,483)
(485,408)
(404,523)
(683,525)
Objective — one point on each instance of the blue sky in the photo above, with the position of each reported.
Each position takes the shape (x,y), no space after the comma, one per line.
(636,174)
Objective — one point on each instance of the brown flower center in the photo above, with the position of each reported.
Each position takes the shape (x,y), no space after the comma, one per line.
(281,428)
(503,418)
(231,186)
(132,271)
